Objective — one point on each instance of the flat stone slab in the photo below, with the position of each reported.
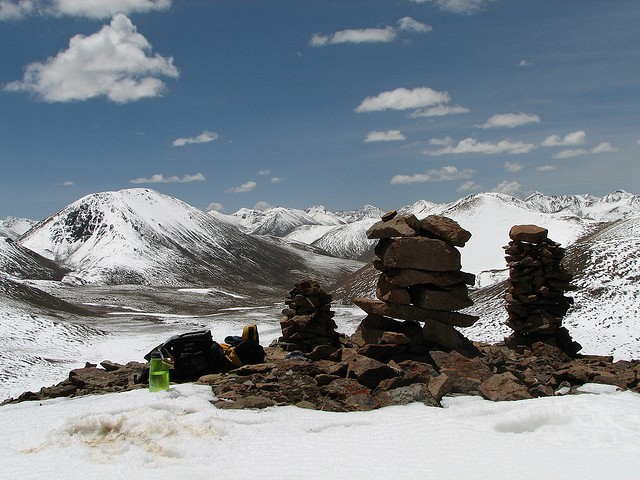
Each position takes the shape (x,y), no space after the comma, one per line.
(421,253)
(394,227)
(528,233)
(410,312)
(408,277)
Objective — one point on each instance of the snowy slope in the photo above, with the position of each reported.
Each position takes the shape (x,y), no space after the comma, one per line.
(142,236)
(13,227)
(490,216)
(21,262)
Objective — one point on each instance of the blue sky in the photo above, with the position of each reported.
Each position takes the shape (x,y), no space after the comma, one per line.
(243,103)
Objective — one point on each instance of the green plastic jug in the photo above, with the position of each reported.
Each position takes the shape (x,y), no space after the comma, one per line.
(158,373)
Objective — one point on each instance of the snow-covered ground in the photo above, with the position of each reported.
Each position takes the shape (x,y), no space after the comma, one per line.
(39,350)
(180,434)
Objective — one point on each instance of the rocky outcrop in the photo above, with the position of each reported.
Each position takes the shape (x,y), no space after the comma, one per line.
(421,281)
(535,298)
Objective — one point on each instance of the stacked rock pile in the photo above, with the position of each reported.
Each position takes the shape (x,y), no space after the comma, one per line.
(308,319)
(535,298)
(421,278)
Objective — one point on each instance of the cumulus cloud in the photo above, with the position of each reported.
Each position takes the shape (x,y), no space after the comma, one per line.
(94,9)
(441,141)
(458,6)
(275,180)
(204,137)
(388,136)
(513,167)
(525,63)
(215,207)
(403,99)
(471,145)
(262,206)
(570,153)
(508,188)
(510,120)
(262,173)
(160,178)
(604,147)
(115,62)
(573,138)
(409,24)
(468,186)
(439,111)
(443,174)
(370,35)
(12,10)
(244,188)
(546,168)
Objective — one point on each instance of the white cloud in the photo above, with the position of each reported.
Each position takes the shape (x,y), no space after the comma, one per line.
(411,25)
(513,167)
(546,168)
(441,141)
(370,35)
(12,10)
(115,62)
(365,35)
(471,145)
(388,136)
(160,178)
(573,138)
(106,9)
(262,206)
(439,111)
(277,180)
(570,153)
(204,137)
(457,6)
(95,9)
(510,120)
(468,186)
(68,183)
(604,147)
(525,63)
(215,207)
(244,188)
(508,188)
(403,99)
(262,173)
(443,174)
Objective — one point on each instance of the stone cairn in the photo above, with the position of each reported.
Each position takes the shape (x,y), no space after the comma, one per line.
(308,320)
(420,282)
(535,299)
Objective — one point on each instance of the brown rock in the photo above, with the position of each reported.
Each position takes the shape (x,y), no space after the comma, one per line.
(387,292)
(370,372)
(408,277)
(396,227)
(442,334)
(449,299)
(466,374)
(503,386)
(410,312)
(528,233)
(445,228)
(422,253)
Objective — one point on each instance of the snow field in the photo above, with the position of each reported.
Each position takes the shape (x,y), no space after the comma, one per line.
(179,433)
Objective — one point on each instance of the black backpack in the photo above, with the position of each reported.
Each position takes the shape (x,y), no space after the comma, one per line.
(193,354)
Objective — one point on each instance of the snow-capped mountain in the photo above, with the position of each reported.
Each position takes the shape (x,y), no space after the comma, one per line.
(614,206)
(142,236)
(13,227)
(488,216)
